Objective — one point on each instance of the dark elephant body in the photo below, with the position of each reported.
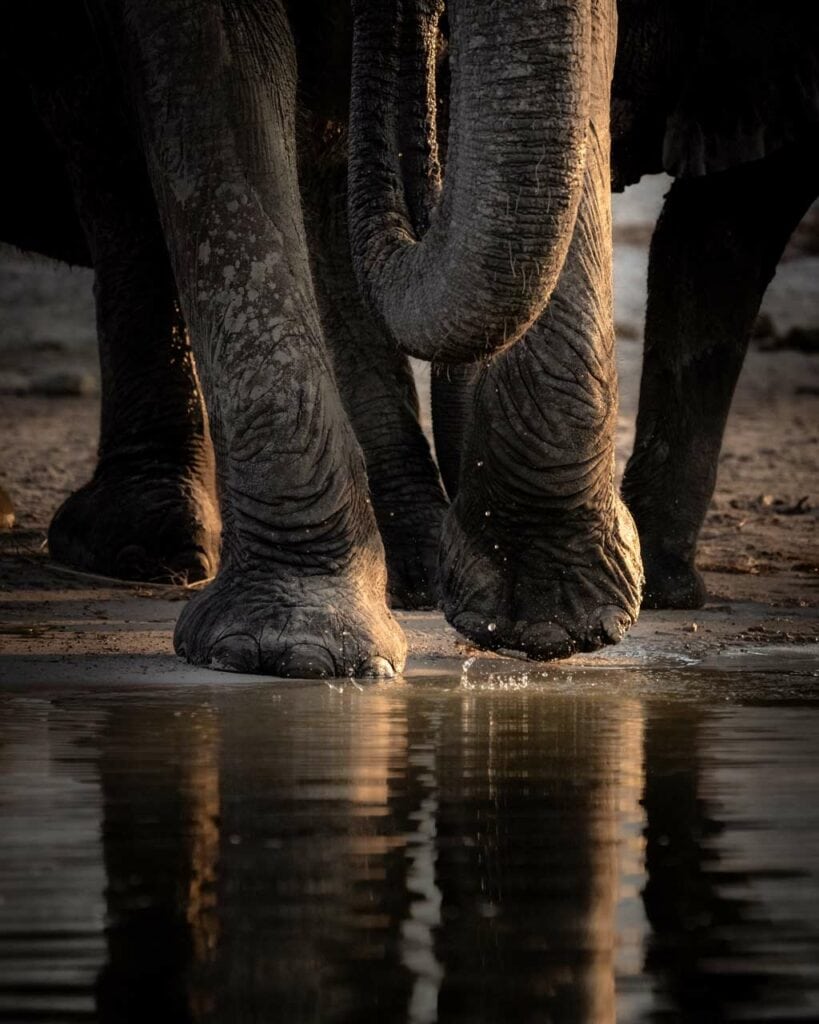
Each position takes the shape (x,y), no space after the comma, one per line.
(178,137)
(725,97)
(703,87)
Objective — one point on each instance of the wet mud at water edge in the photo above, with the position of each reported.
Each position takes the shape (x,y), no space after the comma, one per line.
(562,844)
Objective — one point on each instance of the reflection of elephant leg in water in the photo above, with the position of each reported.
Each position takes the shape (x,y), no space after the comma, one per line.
(528,903)
(161,846)
(714,252)
(693,920)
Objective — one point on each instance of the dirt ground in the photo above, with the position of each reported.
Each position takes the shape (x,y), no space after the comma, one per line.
(759,550)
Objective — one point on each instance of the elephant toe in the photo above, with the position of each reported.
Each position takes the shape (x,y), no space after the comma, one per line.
(608,625)
(546,641)
(376,668)
(305,661)
(480,629)
(237,652)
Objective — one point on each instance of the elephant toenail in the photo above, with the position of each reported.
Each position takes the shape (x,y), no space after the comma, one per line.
(478,628)
(375,668)
(191,566)
(305,661)
(544,641)
(609,623)
(237,652)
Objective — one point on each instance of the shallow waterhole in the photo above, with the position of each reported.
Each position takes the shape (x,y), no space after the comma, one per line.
(502,842)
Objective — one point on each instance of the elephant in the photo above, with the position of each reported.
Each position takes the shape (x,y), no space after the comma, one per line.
(724,98)
(234,222)
(82,193)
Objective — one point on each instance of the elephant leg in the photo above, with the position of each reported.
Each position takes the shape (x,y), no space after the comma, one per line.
(149,511)
(539,555)
(453,396)
(715,248)
(302,583)
(377,388)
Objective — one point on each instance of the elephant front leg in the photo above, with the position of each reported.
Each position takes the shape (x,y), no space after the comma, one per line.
(301,588)
(539,555)
(715,248)
(149,512)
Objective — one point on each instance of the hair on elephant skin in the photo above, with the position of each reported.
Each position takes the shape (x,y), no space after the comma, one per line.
(259,189)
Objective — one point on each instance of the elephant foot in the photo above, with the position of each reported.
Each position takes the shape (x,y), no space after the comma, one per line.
(310,627)
(575,586)
(411,544)
(139,526)
(671,582)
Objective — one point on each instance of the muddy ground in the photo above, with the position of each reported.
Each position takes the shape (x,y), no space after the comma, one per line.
(759,550)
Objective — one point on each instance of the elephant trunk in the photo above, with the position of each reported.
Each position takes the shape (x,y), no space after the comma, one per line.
(483,271)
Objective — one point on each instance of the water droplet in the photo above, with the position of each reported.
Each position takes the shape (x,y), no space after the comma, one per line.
(496,547)
(492,627)
(479,463)
(487,513)
(465,672)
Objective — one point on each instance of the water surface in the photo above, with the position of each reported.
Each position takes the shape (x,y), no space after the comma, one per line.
(584,846)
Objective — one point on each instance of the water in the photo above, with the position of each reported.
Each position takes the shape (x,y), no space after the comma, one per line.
(584,846)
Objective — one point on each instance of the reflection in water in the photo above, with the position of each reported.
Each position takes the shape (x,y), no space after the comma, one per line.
(160,784)
(402,852)
(52,907)
(715,948)
(528,857)
(424,917)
